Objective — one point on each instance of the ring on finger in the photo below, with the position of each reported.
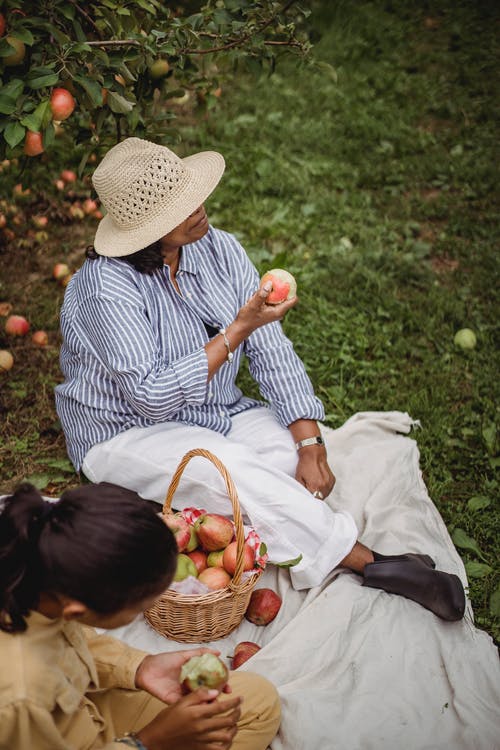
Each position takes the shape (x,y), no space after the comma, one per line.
(318,494)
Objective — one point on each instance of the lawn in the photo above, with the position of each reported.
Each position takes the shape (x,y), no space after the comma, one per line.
(371,173)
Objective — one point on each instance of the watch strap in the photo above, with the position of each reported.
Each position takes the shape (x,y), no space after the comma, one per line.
(316,440)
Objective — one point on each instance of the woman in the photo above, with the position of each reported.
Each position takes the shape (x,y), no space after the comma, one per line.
(98,558)
(154,327)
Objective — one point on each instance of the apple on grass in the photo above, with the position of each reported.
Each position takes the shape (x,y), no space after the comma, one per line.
(284,286)
(16,325)
(6,360)
(263,606)
(242,652)
(205,671)
(214,531)
(40,338)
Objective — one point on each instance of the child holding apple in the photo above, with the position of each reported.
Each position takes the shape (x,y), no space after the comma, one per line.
(97,558)
(155,325)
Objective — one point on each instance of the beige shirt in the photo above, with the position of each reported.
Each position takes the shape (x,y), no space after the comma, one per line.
(47,675)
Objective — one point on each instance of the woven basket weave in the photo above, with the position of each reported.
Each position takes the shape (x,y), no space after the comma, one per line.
(207,617)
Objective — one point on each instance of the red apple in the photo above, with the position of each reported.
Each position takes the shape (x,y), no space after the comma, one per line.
(33,143)
(3,221)
(229,557)
(214,559)
(199,558)
(6,360)
(242,652)
(16,325)
(89,206)
(206,671)
(40,338)
(5,308)
(214,531)
(215,578)
(62,104)
(180,529)
(68,175)
(60,271)
(2,24)
(263,606)
(284,286)
(40,222)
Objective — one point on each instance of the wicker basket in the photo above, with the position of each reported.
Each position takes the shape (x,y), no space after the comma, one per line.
(207,617)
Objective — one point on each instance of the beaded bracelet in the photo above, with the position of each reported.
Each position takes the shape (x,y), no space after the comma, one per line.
(131,740)
(230,355)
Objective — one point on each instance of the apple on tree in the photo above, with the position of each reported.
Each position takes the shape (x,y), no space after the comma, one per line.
(33,143)
(62,104)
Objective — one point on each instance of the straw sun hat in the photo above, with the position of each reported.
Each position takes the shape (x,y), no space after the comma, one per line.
(147,191)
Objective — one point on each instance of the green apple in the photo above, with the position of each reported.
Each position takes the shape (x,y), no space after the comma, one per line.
(185,568)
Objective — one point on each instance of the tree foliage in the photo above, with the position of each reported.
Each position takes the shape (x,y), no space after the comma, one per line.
(107,55)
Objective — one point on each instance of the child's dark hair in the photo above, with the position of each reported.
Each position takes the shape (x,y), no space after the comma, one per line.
(147,260)
(100,544)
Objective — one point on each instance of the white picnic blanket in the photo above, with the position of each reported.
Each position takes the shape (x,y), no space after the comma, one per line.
(356,668)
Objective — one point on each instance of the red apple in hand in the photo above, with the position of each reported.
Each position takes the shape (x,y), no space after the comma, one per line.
(179,528)
(263,606)
(206,670)
(242,652)
(214,531)
(229,557)
(284,286)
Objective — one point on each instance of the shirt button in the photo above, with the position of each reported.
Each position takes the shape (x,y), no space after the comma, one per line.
(222,414)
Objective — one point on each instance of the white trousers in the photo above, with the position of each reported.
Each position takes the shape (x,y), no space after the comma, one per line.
(261,458)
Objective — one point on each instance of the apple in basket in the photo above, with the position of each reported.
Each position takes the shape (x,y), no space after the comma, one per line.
(185,568)
(263,606)
(199,558)
(215,578)
(206,670)
(214,559)
(242,652)
(214,531)
(179,528)
(229,557)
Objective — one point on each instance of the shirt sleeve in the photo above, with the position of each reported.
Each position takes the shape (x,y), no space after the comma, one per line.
(273,362)
(154,389)
(115,661)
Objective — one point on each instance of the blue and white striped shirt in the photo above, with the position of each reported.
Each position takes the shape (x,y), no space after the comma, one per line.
(133,348)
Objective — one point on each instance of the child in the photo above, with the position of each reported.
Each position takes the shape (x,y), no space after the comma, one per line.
(98,558)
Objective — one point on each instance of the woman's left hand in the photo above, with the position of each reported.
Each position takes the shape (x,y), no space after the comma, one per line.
(158,674)
(313,471)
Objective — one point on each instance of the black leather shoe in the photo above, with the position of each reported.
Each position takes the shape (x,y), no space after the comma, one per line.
(412,577)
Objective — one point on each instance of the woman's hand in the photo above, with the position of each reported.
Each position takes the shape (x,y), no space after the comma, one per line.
(195,722)
(313,470)
(256,312)
(159,674)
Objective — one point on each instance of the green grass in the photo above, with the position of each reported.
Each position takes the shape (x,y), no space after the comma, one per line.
(372,176)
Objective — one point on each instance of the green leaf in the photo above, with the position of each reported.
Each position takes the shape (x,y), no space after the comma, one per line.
(14,133)
(39,118)
(92,88)
(43,81)
(24,35)
(462,540)
(13,88)
(476,569)
(478,502)
(118,103)
(7,105)
(495,603)
(57,463)
(489,435)
(289,563)
(40,481)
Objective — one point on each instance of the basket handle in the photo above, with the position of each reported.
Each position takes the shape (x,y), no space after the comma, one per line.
(231,491)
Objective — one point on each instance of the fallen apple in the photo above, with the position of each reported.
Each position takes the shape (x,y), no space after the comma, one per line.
(68,175)
(39,221)
(214,531)
(185,568)
(40,338)
(60,270)
(6,360)
(229,557)
(179,528)
(206,671)
(215,578)
(283,283)
(16,325)
(242,652)
(263,606)
(465,338)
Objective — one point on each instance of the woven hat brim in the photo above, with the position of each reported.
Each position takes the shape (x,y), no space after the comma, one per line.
(206,169)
